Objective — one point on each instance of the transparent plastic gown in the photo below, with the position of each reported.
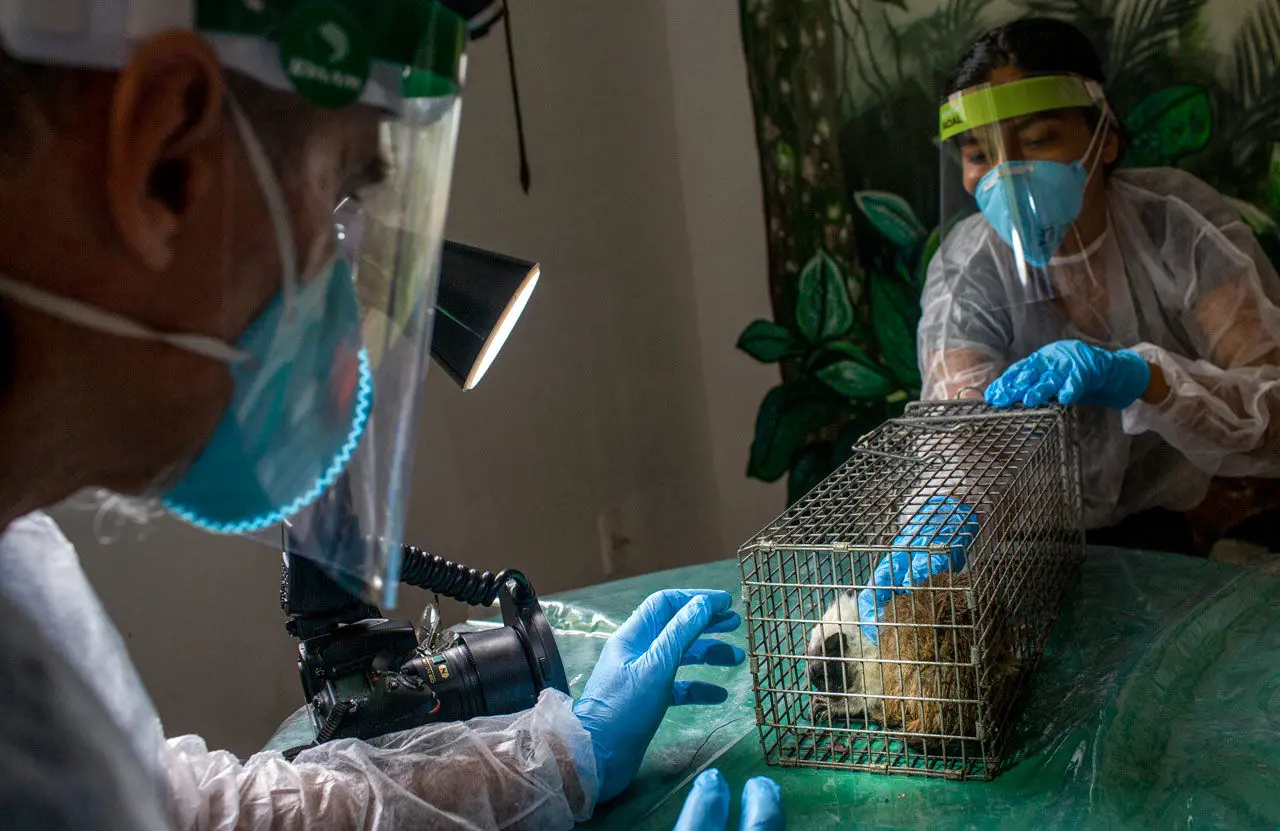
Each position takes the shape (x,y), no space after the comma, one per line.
(1179,278)
(532,770)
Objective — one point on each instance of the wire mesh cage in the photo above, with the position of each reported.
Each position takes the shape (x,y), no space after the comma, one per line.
(930,684)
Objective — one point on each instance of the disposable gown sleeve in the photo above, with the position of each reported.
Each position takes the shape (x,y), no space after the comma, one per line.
(531,770)
(963,341)
(1223,405)
(964,329)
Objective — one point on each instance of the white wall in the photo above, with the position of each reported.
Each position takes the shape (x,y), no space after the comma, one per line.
(723,204)
(619,395)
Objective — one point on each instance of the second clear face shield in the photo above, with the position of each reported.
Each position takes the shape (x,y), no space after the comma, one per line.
(320,432)
(1016,159)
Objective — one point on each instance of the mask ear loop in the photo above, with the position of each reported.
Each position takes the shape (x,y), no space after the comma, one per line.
(101,320)
(274,197)
(1097,141)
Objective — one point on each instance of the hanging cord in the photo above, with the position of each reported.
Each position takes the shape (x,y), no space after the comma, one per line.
(515,97)
(327,730)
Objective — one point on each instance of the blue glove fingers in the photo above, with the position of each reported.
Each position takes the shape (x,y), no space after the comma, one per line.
(1073,390)
(713,653)
(658,609)
(762,806)
(1026,378)
(869,610)
(707,806)
(995,395)
(926,565)
(893,569)
(670,645)
(1000,393)
(725,621)
(1045,388)
(697,692)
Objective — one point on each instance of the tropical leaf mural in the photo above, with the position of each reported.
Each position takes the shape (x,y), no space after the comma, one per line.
(845,95)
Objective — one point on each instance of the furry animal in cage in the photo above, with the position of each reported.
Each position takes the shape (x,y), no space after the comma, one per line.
(920,679)
(936,696)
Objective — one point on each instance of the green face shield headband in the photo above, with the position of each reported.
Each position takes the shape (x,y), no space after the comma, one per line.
(333,51)
(987,104)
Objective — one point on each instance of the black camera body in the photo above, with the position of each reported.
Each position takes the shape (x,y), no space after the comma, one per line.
(365,675)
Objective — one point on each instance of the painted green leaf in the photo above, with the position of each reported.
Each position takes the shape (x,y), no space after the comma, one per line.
(1273,181)
(851,350)
(789,415)
(895,311)
(1168,125)
(767,341)
(784,160)
(812,465)
(854,379)
(823,307)
(1259,220)
(892,217)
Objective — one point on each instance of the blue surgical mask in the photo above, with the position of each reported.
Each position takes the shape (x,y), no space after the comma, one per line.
(299,405)
(302,393)
(1033,204)
(303,384)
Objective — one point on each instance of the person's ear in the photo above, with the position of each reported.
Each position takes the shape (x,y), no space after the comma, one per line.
(163,143)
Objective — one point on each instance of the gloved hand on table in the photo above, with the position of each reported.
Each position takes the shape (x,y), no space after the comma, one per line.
(707,806)
(942,519)
(1074,373)
(634,682)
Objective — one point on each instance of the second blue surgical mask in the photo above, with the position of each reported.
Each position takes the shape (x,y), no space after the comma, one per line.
(1032,205)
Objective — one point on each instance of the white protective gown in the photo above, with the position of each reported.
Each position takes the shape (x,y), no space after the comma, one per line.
(1179,278)
(83,747)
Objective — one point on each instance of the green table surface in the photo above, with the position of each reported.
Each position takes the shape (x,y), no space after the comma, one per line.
(1156,705)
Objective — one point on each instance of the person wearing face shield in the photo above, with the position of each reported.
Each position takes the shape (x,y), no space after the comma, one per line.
(221,226)
(1138,294)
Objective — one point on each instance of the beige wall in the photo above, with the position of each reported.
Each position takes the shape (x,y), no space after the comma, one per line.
(619,398)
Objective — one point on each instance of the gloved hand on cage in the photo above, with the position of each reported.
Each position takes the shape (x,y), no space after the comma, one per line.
(1073,372)
(707,806)
(634,682)
(942,519)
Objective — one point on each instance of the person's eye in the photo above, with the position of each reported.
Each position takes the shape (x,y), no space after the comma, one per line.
(976,157)
(357,184)
(1039,140)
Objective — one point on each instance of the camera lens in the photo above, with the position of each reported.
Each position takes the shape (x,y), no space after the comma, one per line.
(486,673)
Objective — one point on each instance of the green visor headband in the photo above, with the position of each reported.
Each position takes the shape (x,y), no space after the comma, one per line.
(987,104)
(329,47)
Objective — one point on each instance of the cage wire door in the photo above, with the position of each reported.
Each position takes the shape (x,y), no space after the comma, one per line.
(934,693)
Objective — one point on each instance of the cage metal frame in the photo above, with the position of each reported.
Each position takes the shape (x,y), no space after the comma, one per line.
(1017,472)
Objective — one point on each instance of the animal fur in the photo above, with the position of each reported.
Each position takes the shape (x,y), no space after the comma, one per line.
(842,661)
(930,648)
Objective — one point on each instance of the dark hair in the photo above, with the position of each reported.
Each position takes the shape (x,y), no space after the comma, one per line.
(1039,45)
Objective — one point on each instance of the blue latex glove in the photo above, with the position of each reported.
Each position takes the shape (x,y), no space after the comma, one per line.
(941,519)
(1074,373)
(634,681)
(707,806)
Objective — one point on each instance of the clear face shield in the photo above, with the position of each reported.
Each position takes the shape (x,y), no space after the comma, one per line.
(316,448)
(1016,159)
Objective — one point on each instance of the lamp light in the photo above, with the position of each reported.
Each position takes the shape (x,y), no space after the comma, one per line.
(480,297)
